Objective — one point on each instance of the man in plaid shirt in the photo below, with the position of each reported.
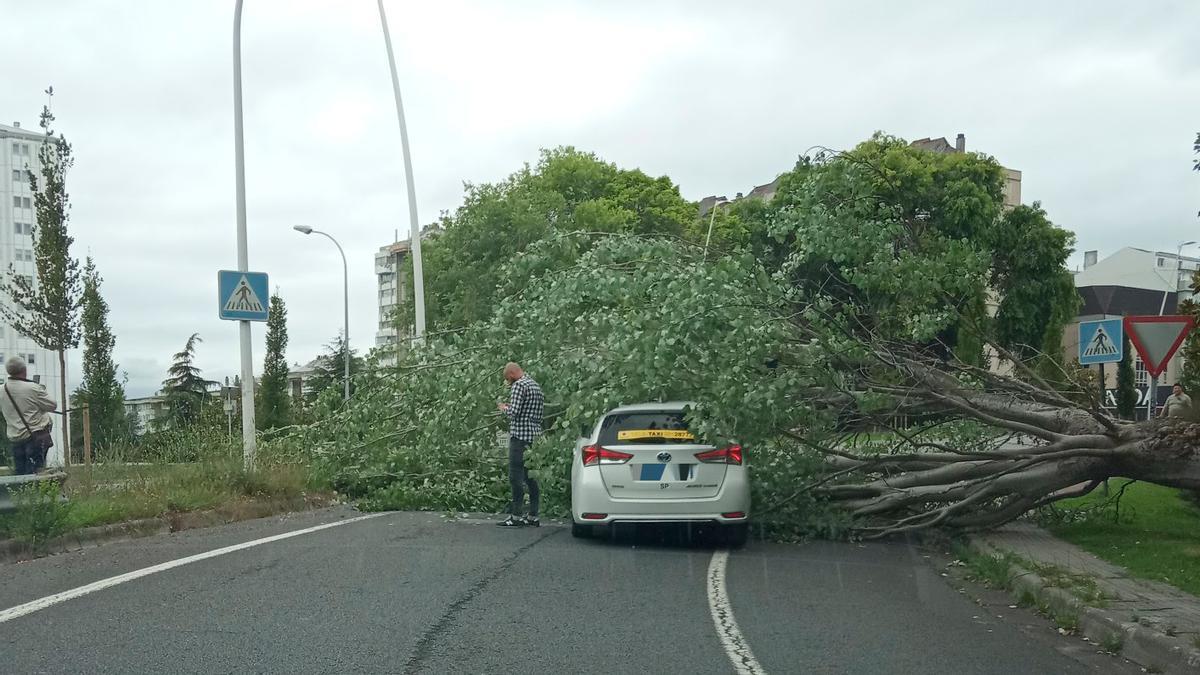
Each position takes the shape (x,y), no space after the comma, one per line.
(524,412)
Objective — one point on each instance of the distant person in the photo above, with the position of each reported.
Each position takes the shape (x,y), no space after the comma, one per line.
(1178,404)
(25,405)
(524,412)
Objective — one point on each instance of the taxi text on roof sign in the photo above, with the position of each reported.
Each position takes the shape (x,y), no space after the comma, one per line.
(674,434)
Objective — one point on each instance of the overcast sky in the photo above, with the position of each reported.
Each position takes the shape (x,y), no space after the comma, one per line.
(1095,102)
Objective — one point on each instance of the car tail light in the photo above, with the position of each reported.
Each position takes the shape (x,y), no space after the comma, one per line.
(594,454)
(595,516)
(734,514)
(730,455)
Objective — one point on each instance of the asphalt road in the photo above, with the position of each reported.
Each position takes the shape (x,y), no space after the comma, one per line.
(415,592)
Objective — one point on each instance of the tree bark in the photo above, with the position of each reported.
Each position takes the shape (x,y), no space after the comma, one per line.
(66,419)
(1069,447)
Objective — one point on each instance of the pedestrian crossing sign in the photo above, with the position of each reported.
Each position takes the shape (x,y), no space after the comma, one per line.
(242,296)
(1101,341)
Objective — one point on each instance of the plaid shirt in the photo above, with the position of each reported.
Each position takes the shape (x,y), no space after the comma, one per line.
(525,409)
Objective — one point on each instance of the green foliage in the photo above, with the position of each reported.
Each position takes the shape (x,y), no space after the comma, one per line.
(1113,643)
(1190,377)
(40,513)
(1126,385)
(566,191)
(186,390)
(47,312)
(273,407)
(101,391)
(1029,274)
(329,371)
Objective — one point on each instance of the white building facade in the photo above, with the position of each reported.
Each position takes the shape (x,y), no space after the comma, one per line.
(19,154)
(393,291)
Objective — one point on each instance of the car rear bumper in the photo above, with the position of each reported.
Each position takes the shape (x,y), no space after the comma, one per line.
(591,497)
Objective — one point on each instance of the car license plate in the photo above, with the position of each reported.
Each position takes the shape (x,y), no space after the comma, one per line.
(652,471)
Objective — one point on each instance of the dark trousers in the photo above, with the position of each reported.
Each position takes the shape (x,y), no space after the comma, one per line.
(518,478)
(27,459)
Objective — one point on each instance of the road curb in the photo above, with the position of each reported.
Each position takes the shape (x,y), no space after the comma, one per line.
(1144,646)
(12,551)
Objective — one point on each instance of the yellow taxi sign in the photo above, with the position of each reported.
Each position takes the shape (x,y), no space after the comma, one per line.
(638,434)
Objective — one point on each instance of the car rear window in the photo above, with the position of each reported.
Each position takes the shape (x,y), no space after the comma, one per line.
(640,428)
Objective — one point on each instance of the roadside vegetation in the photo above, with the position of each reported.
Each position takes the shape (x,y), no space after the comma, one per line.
(1152,531)
(195,472)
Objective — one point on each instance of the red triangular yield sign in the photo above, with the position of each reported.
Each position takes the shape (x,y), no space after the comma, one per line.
(1156,338)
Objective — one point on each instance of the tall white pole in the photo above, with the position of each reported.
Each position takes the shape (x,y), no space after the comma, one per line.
(414,225)
(248,438)
(346,306)
(711,219)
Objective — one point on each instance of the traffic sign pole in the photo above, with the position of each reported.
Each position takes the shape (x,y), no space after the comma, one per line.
(248,431)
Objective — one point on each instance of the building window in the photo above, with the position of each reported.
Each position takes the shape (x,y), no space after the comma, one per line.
(28,228)
(1162,262)
(31,358)
(25,149)
(17,175)
(18,227)
(1141,378)
(26,203)
(16,202)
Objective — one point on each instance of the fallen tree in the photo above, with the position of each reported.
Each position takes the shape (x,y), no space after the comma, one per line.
(856,301)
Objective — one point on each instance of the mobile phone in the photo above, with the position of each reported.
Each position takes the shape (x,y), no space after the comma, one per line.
(37,378)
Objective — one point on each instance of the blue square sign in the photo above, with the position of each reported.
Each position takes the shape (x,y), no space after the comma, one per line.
(1101,341)
(242,296)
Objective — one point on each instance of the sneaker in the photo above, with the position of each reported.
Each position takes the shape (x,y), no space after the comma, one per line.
(511,522)
(533,521)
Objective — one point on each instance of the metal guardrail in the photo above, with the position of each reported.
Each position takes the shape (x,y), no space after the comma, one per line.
(8,484)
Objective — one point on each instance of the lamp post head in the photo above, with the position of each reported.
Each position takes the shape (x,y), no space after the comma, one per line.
(1186,243)
(303,229)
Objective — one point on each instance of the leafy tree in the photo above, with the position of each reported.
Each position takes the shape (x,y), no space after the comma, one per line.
(567,190)
(46,310)
(1126,385)
(1190,377)
(100,390)
(329,370)
(273,408)
(187,392)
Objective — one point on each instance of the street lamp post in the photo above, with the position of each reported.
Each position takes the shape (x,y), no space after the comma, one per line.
(304,229)
(248,430)
(414,226)
(711,219)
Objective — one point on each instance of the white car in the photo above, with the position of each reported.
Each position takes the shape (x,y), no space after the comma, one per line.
(641,464)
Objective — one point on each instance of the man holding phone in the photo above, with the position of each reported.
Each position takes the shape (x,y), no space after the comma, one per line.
(524,412)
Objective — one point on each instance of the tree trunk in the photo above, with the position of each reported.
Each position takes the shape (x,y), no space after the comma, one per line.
(66,420)
(1043,448)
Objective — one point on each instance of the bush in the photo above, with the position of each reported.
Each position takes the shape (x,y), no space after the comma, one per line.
(41,513)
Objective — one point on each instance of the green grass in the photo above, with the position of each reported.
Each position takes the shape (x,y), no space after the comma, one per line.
(105,495)
(1156,537)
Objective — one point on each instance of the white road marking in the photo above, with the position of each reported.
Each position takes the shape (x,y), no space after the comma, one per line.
(722,615)
(51,600)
